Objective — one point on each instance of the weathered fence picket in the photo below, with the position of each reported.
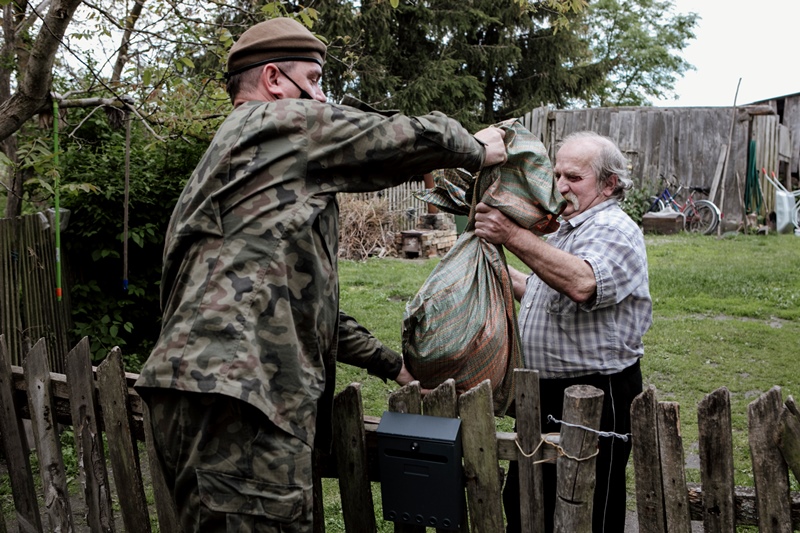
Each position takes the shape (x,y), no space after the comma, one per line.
(789,435)
(649,489)
(114,393)
(350,450)
(16,448)
(673,469)
(769,469)
(48,445)
(88,438)
(97,401)
(530,441)
(716,461)
(583,405)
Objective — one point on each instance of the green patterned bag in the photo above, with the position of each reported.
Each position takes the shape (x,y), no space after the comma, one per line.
(462,323)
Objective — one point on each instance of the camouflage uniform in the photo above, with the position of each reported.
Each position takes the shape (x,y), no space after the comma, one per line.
(250,285)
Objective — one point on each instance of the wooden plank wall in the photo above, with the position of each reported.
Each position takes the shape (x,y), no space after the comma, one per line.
(791,118)
(684,142)
(765,133)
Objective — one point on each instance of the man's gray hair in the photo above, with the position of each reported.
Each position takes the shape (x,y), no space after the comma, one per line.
(609,161)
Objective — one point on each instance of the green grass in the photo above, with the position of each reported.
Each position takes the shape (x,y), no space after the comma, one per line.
(726,314)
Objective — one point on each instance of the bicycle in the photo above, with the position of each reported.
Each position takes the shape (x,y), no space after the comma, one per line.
(699,216)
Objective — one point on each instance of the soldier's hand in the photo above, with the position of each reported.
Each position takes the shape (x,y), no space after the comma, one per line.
(492,139)
(405,377)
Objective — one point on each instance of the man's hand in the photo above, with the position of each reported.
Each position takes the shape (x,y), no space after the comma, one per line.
(493,226)
(492,138)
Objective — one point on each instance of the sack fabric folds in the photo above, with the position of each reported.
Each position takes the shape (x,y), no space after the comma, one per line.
(462,323)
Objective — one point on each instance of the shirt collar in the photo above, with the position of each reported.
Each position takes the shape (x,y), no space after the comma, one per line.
(576,221)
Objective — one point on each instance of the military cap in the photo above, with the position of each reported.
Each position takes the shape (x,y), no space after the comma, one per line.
(279,39)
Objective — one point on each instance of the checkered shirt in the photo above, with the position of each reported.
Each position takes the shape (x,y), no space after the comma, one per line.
(561,338)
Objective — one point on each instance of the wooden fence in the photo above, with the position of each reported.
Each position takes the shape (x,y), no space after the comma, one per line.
(29,309)
(101,400)
(403,205)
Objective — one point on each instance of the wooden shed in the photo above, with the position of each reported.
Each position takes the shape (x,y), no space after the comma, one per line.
(697,146)
(787,109)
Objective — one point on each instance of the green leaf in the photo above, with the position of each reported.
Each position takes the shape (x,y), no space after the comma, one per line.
(394,3)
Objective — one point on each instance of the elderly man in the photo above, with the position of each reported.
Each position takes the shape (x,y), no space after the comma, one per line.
(584,310)
(241,379)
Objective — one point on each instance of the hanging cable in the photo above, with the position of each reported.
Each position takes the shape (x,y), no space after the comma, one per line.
(56,187)
(125,206)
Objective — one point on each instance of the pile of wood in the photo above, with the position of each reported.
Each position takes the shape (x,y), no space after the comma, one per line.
(366,227)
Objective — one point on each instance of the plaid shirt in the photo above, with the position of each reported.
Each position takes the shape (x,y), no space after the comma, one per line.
(562,338)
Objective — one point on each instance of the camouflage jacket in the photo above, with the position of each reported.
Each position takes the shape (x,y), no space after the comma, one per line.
(250,292)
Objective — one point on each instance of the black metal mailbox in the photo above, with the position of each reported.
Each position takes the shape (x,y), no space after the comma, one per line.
(420,467)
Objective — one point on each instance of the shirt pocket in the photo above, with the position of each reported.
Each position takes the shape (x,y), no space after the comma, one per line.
(560,305)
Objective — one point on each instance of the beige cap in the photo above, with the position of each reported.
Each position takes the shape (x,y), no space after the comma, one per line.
(279,39)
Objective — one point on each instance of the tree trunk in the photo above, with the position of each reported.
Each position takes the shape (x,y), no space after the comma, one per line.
(35,80)
(122,57)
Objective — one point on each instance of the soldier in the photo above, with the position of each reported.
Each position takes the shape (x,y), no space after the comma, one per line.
(241,380)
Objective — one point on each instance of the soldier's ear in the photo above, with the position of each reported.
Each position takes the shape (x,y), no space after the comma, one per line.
(271,80)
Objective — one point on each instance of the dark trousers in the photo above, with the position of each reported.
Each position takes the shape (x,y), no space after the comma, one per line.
(609,510)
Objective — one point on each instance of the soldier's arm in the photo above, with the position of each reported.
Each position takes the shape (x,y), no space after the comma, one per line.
(358,347)
(356,151)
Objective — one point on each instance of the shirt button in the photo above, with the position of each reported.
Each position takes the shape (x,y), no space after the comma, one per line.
(528,306)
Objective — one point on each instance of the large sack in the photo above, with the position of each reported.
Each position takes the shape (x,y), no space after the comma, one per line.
(462,323)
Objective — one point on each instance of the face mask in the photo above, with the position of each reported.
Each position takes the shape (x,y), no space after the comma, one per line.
(303,94)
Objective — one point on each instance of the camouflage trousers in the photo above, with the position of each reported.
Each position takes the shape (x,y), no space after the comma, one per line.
(228,467)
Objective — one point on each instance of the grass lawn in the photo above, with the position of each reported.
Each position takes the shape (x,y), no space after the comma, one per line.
(726,314)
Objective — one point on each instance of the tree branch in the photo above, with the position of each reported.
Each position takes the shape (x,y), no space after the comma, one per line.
(34,86)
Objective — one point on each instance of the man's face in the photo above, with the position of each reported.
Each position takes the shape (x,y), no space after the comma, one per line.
(306,75)
(577,181)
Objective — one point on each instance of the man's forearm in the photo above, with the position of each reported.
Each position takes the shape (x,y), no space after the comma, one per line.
(564,272)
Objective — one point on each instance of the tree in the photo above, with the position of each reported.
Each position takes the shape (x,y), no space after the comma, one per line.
(151,66)
(34,64)
(484,61)
(640,42)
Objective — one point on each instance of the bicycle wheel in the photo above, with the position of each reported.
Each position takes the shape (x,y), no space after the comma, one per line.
(702,217)
(656,204)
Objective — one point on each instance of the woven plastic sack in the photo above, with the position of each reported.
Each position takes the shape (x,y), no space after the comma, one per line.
(462,323)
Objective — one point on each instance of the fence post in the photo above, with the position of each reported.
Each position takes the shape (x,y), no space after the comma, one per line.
(88,439)
(577,465)
(647,463)
(48,445)
(479,444)
(124,459)
(16,447)
(789,435)
(673,470)
(350,449)
(529,441)
(769,469)
(716,461)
